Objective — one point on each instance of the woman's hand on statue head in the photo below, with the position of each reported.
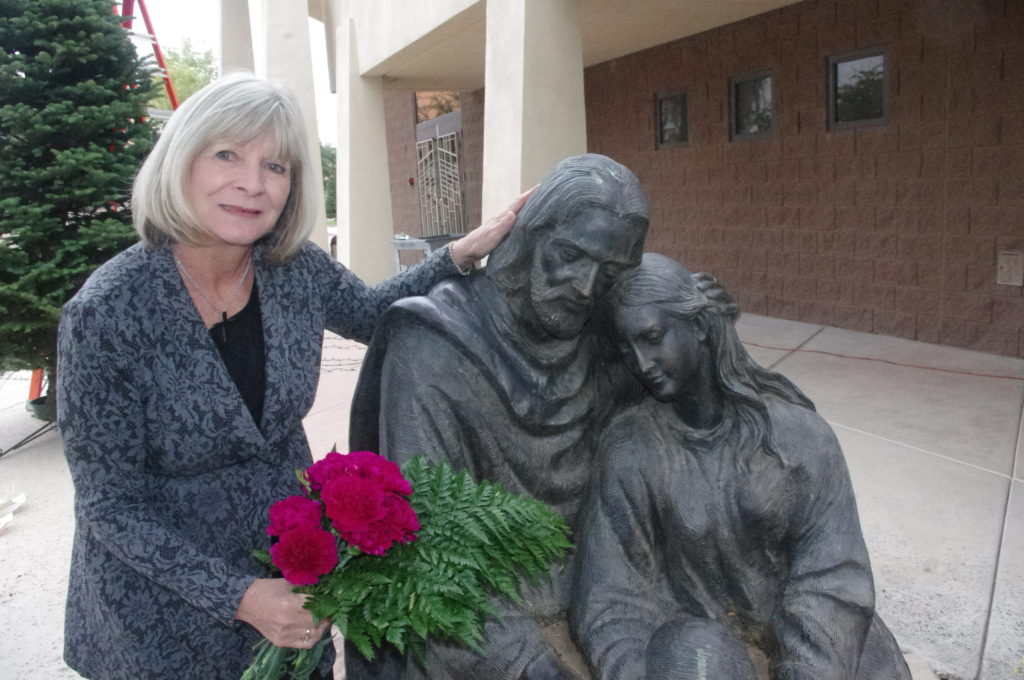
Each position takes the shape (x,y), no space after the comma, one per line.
(478,243)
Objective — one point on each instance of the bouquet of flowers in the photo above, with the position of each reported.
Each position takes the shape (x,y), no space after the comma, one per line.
(398,555)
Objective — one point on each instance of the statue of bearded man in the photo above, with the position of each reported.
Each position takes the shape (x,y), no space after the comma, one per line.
(501,373)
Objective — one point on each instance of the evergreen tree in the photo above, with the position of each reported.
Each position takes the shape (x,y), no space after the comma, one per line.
(73,131)
(329,165)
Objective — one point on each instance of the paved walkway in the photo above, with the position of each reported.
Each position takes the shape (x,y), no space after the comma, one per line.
(932,436)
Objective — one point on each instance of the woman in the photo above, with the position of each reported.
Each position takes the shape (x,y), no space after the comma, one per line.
(186,365)
(721,538)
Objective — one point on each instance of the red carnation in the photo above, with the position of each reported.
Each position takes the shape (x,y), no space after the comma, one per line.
(292,513)
(304,555)
(369,465)
(398,525)
(324,470)
(362,464)
(353,503)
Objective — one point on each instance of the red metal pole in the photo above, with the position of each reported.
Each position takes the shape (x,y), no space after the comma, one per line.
(35,385)
(128,12)
(159,54)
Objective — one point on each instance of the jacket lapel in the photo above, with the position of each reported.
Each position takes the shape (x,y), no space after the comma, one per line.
(188,350)
(292,346)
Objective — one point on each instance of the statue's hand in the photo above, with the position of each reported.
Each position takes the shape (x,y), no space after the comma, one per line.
(547,667)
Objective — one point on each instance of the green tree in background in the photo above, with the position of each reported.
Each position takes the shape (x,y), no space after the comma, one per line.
(73,131)
(190,70)
(329,165)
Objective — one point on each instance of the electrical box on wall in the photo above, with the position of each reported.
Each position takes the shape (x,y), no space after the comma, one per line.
(1010,268)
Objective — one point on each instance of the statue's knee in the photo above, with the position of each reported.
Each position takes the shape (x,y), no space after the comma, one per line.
(697,649)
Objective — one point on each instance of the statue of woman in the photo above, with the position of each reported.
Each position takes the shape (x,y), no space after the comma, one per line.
(721,538)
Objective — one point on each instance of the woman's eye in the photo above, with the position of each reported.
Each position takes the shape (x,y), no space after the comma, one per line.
(223,154)
(653,338)
(277,168)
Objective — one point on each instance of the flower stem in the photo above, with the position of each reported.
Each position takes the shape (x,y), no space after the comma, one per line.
(284,663)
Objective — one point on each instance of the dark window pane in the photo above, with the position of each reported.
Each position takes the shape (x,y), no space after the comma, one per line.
(753,106)
(860,89)
(672,119)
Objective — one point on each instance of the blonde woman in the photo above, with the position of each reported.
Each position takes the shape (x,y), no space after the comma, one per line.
(186,365)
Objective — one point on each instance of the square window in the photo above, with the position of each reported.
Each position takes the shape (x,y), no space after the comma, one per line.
(752,111)
(857,88)
(671,119)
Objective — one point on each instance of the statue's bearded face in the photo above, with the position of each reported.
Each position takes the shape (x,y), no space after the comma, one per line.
(575,263)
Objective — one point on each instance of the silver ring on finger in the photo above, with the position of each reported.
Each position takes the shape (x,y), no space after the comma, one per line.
(305,638)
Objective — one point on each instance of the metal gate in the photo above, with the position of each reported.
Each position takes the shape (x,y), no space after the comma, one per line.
(439,176)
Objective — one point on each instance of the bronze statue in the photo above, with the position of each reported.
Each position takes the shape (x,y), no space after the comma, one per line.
(716,528)
(501,373)
(721,537)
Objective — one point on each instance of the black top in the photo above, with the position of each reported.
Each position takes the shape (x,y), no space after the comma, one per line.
(240,343)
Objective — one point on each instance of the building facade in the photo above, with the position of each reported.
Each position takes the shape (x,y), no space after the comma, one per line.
(906,222)
(896,225)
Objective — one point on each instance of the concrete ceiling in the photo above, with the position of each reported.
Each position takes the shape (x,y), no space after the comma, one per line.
(452,57)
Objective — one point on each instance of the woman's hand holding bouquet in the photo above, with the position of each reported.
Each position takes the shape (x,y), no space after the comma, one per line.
(399,555)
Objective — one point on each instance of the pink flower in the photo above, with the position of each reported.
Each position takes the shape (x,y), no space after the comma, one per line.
(388,474)
(362,464)
(399,525)
(363,495)
(353,503)
(304,555)
(367,516)
(294,512)
(325,470)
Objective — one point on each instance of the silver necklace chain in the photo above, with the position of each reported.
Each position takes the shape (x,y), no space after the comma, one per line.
(199,289)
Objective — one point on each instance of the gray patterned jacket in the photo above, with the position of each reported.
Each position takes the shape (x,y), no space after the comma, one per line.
(172,476)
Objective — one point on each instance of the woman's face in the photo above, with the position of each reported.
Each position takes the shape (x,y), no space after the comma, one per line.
(237,191)
(661,350)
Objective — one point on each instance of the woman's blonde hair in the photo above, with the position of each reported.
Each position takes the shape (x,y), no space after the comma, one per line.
(236,109)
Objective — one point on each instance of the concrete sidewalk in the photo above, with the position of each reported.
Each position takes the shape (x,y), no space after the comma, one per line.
(932,436)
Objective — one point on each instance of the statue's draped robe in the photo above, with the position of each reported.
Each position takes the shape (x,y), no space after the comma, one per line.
(683,524)
(452,376)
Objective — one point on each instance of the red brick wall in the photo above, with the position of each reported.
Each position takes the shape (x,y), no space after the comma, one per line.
(400,111)
(892,229)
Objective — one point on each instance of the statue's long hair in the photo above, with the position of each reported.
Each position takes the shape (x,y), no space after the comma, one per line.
(740,380)
(576,184)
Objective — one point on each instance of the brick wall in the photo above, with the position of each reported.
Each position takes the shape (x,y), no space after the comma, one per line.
(400,111)
(891,229)
(400,114)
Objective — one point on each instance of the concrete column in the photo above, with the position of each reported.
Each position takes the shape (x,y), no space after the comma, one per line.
(534,113)
(289,60)
(365,226)
(235,37)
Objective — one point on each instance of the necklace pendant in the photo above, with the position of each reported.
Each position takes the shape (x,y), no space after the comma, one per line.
(206,298)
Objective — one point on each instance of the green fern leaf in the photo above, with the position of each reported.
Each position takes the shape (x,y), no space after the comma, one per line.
(476,540)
